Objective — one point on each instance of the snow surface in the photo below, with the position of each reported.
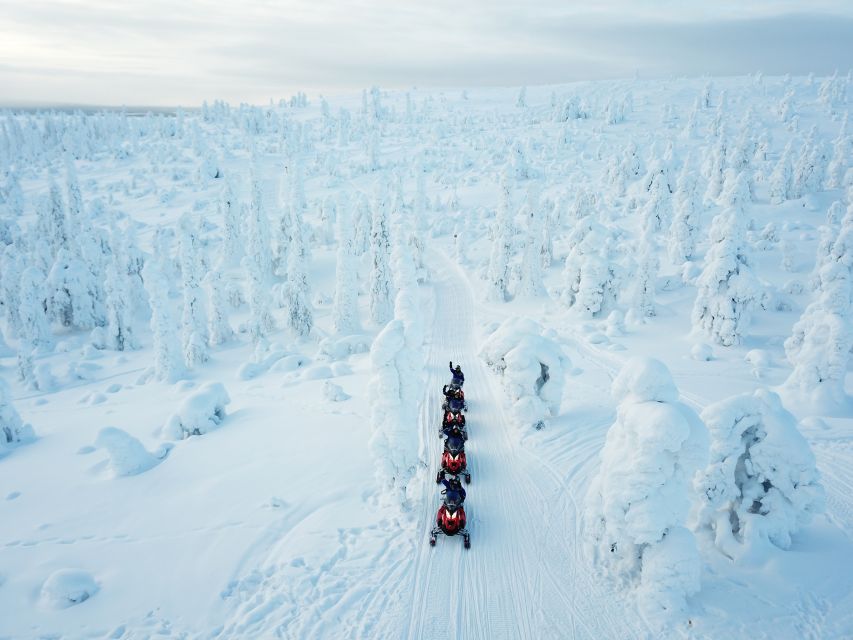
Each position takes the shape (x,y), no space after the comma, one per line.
(304,512)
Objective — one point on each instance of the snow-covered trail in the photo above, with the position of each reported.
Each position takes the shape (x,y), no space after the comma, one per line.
(524,576)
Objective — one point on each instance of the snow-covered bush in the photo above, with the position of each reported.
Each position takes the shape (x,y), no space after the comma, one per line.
(67,587)
(333,392)
(761,485)
(532,366)
(13,431)
(638,502)
(128,456)
(200,413)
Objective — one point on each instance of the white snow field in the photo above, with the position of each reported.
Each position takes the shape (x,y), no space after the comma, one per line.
(225,333)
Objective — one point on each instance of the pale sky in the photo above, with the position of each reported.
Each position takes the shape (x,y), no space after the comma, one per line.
(171,52)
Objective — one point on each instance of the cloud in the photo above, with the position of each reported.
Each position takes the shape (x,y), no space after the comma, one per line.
(159,52)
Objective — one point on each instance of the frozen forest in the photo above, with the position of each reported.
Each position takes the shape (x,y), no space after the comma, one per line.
(224,333)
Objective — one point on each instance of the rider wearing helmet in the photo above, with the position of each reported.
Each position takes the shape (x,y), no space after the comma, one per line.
(454,492)
(458,376)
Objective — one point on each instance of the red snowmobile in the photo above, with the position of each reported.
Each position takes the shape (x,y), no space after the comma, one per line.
(450,421)
(450,520)
(453,460)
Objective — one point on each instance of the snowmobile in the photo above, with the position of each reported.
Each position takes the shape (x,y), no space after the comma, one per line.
(450,520)
(453,492)
(455,403)
(453,459)
(452,421)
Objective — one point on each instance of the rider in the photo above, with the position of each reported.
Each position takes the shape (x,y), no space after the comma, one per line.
(454,492)
(458,377)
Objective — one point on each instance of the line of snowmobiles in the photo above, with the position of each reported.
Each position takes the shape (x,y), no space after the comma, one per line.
(450,519)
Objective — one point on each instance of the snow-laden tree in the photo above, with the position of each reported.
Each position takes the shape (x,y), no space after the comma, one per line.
(218,328)
(780,179)
(737,193)
(168,361)
(50,219)
(715,170)
(498,274)
(810,167)
(232,237)
(75,199)
(520,168)
(194,336)
(258,232)
(294,293)
(72,292)
(727,288)
(11,269)
(842,152)
(531,259)
(120,331)
(13,431)
(532,365)
(395,394)
(657,212)
(591,275)
(35,327)
(761,485)
(381,286)
(686,217)
(820,344)
(645,277)
(345,319)
(638,502)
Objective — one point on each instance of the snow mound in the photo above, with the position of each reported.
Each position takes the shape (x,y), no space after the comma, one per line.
(702,352)
(533,368)
(201,412)
(334,393)
(638,502)
(762,485)
(127,455)
(67,587)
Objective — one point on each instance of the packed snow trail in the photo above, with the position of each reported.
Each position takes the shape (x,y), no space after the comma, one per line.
(524,576)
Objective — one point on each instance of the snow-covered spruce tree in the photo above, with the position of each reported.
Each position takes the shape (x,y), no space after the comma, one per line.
(810,167)
(345,318)
(168,363)
(50,219)
(72,292)
(727,288)
(737,193)
(194,335)
(395,393)
(295,291)
(218,328)
(11,269)
(637,504)
(531,260)
(591,275)
(518,161)
(232,238)
(120,325)
(685,222)
(13,431)
(258,232)
(35,327)
(842,151)
(645,277)
(820,344)
(657,212)
(381,287)
(716,166)
(75,198)
(780,179)
(761,485)
(498,274)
